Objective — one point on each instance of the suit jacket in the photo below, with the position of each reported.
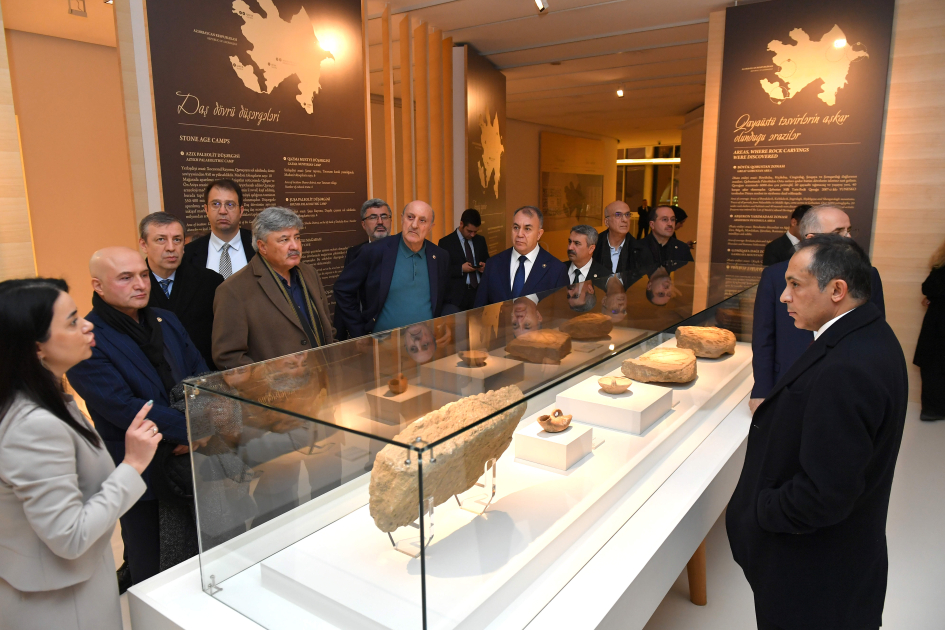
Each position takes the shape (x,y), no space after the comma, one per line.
(776,343)
(252,320)
(546,274)
(778,250)
(647,252)
(192,301)
(341,328)
(456,288)
(196,250)
(52,533)
(595,274)
(370,276)
(118,379)
(626,261)
(807,521)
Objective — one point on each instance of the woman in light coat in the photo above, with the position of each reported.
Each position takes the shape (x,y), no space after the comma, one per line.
(60,493)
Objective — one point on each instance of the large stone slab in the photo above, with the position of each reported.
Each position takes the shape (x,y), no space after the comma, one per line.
(460,461)
(662,365)
(706,341)
(540,346)
(588,326)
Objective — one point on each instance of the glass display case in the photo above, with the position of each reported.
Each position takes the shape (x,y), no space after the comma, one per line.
(425,477)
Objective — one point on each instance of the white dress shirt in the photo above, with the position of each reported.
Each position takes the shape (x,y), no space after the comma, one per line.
(824,328)
(462,244)
(170,287)
(513,267)
(794,240)
(237,255)
(586,269)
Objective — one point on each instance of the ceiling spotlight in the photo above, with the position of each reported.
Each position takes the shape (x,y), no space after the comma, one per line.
(109,1)
(620,92)
(542,5)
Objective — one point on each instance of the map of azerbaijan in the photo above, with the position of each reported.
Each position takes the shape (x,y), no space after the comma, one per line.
(803,63)
(492,150)
(280,49)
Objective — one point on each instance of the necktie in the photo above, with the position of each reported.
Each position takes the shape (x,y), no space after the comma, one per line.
(226,265)
(474,276)
(519,283)
(166,286)
(577,276)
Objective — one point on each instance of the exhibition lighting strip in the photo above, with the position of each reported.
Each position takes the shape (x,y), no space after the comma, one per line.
(649,161)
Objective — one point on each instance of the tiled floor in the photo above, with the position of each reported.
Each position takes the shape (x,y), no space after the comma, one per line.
(916,539)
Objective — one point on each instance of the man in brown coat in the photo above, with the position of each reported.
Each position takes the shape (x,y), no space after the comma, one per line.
(276,304)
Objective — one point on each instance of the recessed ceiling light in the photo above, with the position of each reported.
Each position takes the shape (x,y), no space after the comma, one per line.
(620,92)
(542,5)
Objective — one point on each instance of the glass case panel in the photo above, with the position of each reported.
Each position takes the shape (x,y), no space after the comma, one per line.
(425,477)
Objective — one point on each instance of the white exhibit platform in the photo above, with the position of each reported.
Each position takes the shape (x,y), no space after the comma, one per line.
(387,406)
(452,375)
(555,450)
(499,570)
(633,411)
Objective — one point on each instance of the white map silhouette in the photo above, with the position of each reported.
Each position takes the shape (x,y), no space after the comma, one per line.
(802,64)
(280,49)
(492,151)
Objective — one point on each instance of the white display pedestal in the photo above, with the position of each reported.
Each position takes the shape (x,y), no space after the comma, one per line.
(633,411)
(555,450)
(387,406)
(451,374)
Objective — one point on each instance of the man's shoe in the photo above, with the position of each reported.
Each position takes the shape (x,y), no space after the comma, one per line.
(124,577)
(927,416)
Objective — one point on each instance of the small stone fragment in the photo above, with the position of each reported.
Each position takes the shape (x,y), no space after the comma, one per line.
(662,365)
(706,341)
(540,346)
(588,326)
(460,460)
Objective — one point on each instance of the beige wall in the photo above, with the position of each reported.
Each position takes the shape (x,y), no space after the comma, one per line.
(690,168)
(68,99)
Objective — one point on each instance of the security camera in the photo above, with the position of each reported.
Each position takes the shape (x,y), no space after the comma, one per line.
(542,5)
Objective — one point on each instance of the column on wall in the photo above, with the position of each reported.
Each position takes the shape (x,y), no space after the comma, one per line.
(435,71)
(420,94)
(449,221)
(406,114)
(390,194)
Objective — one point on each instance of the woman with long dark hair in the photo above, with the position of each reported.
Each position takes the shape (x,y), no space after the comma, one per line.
(60,492)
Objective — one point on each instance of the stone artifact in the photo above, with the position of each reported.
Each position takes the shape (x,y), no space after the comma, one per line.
(662,365)
(588,326)
(540,346)
(614,384)
(707,342)
(398,384)
(473,358)
(460,461)
(556,422)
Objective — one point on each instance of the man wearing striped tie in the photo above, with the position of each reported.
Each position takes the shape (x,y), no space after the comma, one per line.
(228,247)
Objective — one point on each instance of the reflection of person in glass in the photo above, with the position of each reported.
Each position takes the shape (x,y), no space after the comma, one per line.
(660,288)
(420,342)
(525,315)
(581,297)
(614,304)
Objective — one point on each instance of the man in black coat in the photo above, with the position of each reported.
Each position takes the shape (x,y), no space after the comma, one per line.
(228,247)
(661,248)
(782,248)
(582,243)
(468,255)
(185,290)
(807,521)
(614,250)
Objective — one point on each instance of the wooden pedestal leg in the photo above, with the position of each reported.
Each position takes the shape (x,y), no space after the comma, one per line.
(695,571)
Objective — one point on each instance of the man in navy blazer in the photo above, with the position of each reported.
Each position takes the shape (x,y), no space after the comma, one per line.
(523,269)
(119,378)
(396,281)
(776,342)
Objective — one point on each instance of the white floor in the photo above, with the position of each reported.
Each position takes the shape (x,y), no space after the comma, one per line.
(915,534)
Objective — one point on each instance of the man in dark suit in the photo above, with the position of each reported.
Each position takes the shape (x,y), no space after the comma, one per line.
(661,248)
(468,255)
(776,342)
(643,220)
(403,278)
(782,248)
(615,245)
(807,521)
(140,354)
(276,305)
(524,268)
(228,247)
(582,243)
(187,291)
(376,222)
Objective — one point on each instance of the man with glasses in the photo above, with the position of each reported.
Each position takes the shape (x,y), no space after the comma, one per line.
(614,247)
(776,342)
(228,247)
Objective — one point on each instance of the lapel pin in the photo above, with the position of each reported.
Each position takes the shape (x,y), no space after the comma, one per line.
(159,319)
(543,265)
(434,256)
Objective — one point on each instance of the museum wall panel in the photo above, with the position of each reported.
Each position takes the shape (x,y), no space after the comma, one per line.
(67,96)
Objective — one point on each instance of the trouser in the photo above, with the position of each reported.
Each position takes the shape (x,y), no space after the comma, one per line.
(141,536)
(643,228)
(469,298)
(764,624)
(933,389)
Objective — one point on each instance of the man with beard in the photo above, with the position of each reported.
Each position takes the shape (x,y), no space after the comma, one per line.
(276,304)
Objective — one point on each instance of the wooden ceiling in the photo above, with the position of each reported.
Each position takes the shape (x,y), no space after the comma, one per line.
(564,66)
